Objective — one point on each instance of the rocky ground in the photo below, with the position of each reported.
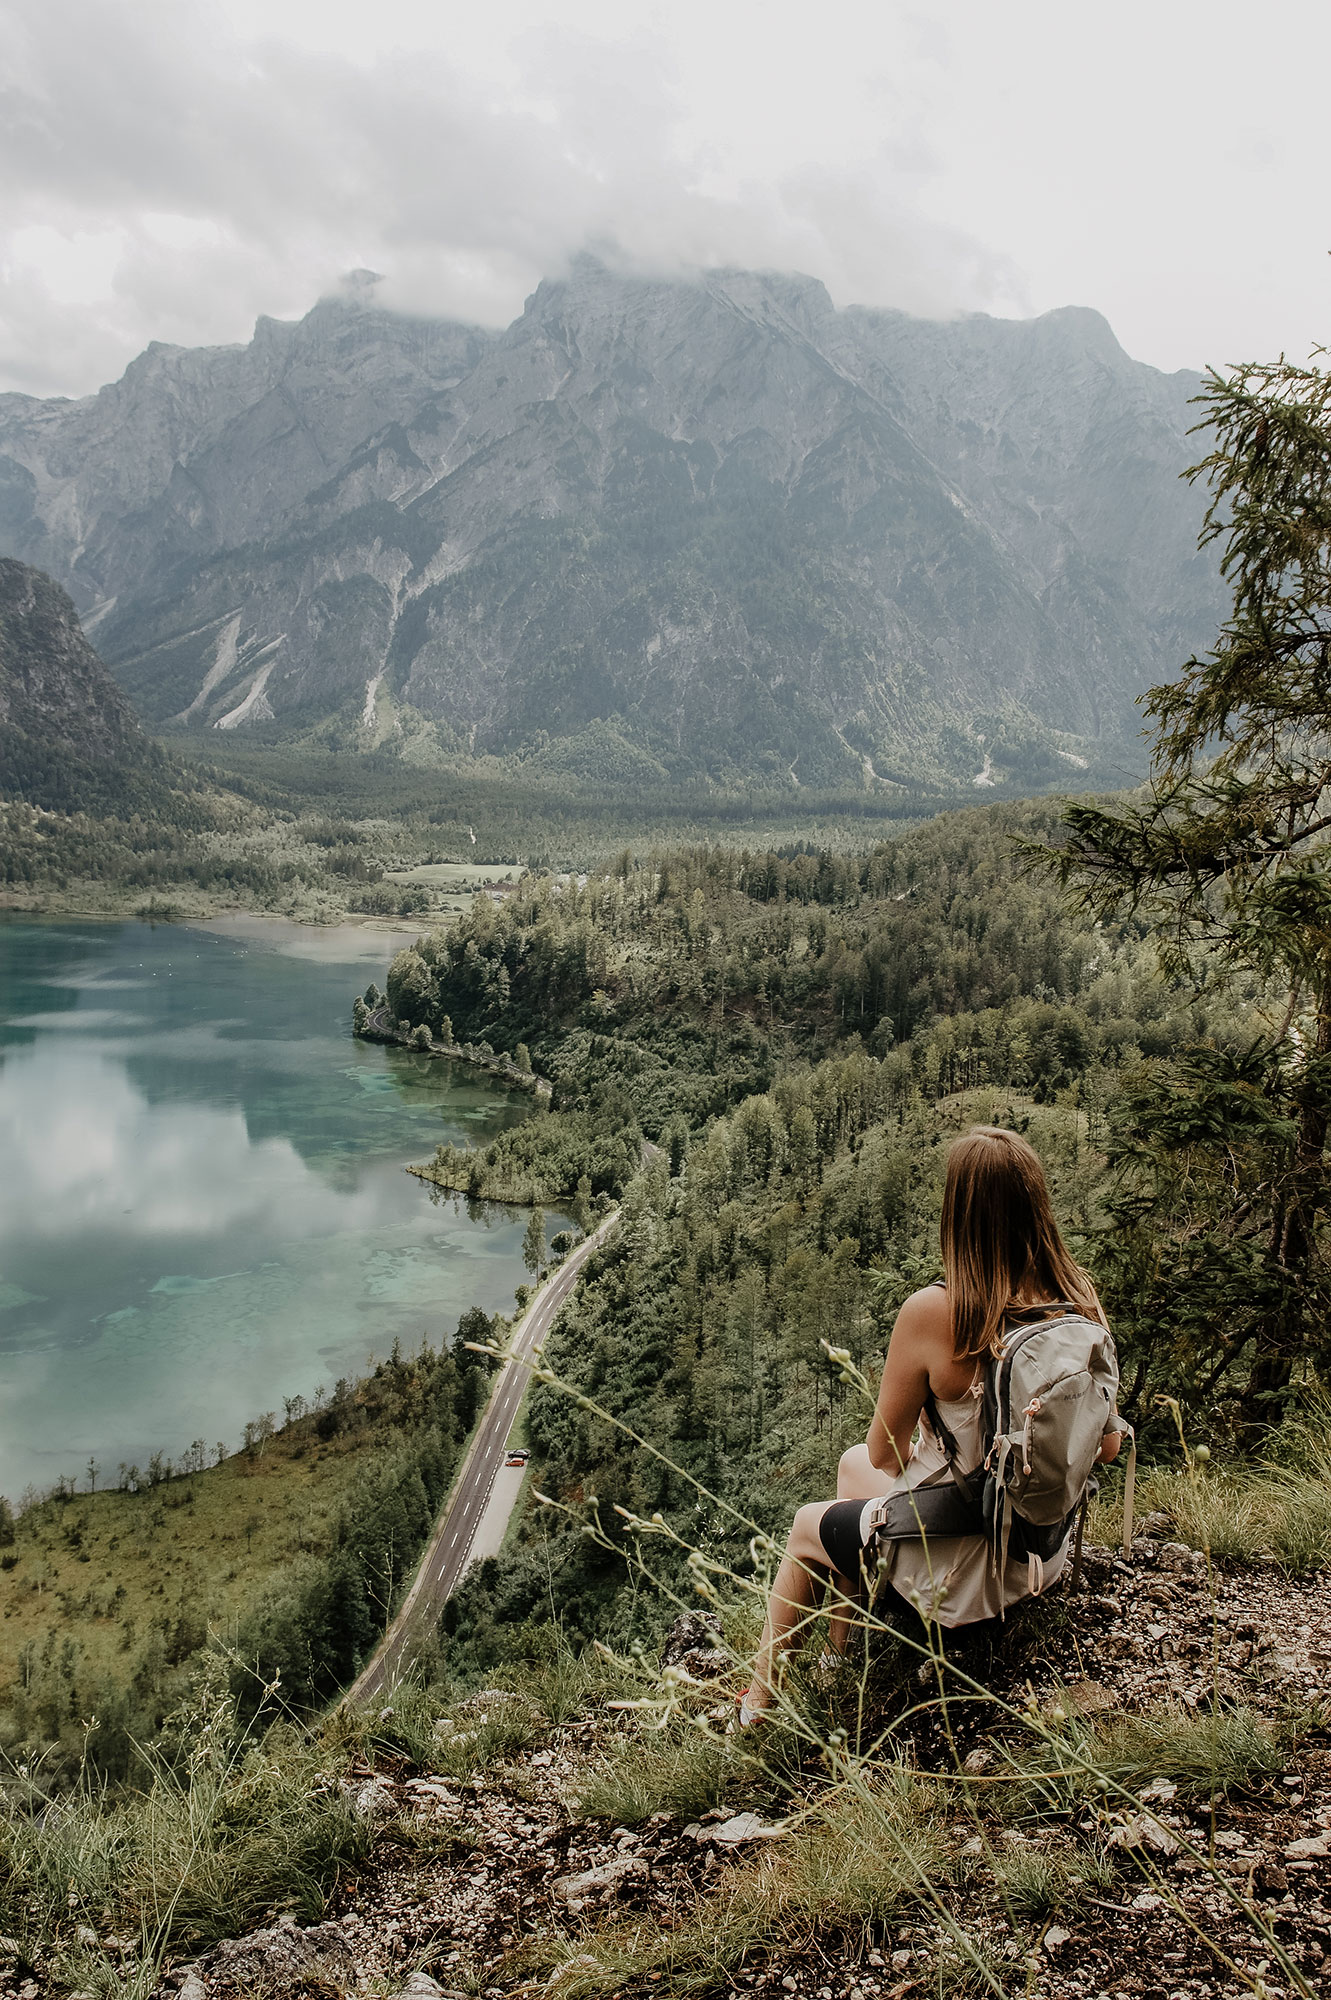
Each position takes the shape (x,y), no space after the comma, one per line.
(495,1885)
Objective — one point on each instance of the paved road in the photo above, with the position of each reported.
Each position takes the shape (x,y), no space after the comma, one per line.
(449,1550)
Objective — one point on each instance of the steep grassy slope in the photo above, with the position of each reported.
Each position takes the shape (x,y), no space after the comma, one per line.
(282,1561)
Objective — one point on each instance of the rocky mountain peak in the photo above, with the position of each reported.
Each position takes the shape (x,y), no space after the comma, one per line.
(753,533)
(1081,328)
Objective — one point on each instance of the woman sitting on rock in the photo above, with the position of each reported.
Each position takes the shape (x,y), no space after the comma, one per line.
(1005,1264)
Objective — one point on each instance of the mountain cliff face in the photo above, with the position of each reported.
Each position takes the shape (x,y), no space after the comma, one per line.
(67,734)
(715,528)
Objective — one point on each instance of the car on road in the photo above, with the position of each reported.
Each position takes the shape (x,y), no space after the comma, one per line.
(518,1457)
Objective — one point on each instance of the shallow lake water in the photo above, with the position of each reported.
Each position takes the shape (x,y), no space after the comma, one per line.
(203,1208)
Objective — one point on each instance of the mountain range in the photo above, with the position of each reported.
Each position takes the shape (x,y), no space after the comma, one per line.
(654,529)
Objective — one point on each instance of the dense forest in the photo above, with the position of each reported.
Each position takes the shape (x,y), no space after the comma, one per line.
(1144,984)
(674,986)
(798,1035)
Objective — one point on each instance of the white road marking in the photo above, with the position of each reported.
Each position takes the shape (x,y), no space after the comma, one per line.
(469,1504)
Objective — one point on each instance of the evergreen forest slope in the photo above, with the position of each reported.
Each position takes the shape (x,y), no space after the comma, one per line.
(69,739)
(799,1033)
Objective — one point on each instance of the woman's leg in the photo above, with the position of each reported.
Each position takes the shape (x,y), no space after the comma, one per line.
(858,1478)
(794,1599)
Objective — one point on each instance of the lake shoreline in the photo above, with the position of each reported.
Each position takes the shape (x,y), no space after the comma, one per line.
(376,1029)
(203,1193)
(92,900)
(433,1178)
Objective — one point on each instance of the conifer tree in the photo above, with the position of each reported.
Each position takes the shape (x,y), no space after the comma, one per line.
(533,1243)
(1226,854)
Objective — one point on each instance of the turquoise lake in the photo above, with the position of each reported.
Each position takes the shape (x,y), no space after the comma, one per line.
(203,1208)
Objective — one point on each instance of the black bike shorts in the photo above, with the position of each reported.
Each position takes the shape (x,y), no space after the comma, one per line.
(839,1533)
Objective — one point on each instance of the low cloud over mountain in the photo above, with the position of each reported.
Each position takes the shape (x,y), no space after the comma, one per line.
(712,528)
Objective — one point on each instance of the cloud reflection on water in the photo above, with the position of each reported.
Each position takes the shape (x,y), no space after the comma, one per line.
(82,1147)
(203,1207)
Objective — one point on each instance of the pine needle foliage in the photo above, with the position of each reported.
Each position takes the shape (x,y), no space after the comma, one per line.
(1226,855)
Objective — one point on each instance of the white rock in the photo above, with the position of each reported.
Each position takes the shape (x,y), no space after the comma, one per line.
(743,1827)
(1308,1850)
(372,1799)
(610,1877)
(1163,1789)
(432,1788)
(1143,1830)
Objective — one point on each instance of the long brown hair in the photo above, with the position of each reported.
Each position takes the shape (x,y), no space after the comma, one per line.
(1000,1240)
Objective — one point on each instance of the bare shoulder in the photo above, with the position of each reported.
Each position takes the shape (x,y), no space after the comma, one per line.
(923,1337)
(928,1307)
(924,1320)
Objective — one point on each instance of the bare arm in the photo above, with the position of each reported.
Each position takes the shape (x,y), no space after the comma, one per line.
(905,1382)
(1111,1444)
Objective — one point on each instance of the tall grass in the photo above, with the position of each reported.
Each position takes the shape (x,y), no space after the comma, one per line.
(208,1848)
(878,1834)
(1240,1512)
(230,1826)
(678,1770)
(865,1852)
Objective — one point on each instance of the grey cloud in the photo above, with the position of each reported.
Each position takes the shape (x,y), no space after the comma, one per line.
(306,165)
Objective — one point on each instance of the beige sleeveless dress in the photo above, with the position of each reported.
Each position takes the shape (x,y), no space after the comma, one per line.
(952,1578)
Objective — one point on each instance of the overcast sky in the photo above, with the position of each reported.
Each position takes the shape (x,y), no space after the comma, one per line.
(169,170)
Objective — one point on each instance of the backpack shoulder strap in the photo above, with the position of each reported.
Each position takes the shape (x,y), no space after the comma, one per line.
(931,1410)
(938,1426)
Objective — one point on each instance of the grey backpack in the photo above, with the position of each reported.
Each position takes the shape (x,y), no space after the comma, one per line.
(1049,1395)
(1054,1384)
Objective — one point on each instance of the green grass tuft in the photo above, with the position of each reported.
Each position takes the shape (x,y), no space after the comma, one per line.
(679,1771)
